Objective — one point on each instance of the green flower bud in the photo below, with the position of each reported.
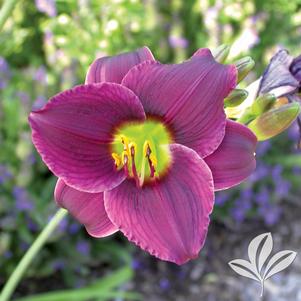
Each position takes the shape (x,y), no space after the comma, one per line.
(244,66)
(263,103)
(275,121)
(235,98)
(221,53)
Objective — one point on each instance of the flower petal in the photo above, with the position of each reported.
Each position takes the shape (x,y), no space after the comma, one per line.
(87,208)
(277,78)
(188,96)
(168,219)
(234,159)
(73,131)
(114,68)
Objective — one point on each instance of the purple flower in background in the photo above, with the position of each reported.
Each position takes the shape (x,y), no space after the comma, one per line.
(32,226)
(136,264)
(58,264)
(277,173)
(31,159)
(22,200)
(282,188)
(63,225)
(46,6)
(83,247)
(5,174)
(263,196)
(238,213)
(293,131)
(164,284)
(296,170)
(40,75)
(39,103)
(261,172)
(4,73)
(23,246)
(270,213)
(74,228)
(263,147)
(7,254)
(246,194)
(240,209)
(24,98)
(221,198)
(177,42)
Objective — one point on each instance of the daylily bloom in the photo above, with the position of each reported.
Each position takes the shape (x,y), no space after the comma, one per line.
(142,146)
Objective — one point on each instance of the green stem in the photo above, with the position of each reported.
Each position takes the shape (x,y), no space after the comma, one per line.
(30,255)
(6,11)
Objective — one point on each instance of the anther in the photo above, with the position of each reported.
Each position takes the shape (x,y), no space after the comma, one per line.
(133,147)
(151,167)
(125,161)
(117,159)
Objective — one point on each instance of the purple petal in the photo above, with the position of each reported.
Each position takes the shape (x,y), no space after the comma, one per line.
(87,208)
(295,68)
(73,131)
(168,219)
(188,97)
(234,159)
(277,77)
(114,68)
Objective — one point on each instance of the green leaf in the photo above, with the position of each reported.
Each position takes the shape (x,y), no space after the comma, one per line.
(275,121)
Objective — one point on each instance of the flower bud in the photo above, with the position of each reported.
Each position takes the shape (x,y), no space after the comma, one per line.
(244,66)
(235,98)
(275,121)
(221,53)
(263,103)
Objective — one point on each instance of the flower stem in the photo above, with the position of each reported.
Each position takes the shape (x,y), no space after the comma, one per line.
(30,255)
(6,11)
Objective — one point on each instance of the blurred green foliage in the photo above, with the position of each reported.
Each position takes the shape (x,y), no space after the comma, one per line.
(47,46)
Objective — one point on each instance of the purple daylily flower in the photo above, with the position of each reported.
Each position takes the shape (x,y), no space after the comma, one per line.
(142,146)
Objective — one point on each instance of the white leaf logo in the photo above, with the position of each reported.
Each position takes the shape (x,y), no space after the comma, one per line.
(279,262)
(259,250)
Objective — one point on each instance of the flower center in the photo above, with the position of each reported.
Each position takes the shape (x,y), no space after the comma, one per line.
(141,150)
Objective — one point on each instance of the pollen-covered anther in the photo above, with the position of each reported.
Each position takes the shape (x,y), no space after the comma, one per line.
(151,158)
(125,142)
(117,160)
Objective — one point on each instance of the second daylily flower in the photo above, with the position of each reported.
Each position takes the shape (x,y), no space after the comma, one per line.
(142,146)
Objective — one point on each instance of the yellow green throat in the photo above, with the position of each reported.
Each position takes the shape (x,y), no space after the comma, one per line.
(142,150)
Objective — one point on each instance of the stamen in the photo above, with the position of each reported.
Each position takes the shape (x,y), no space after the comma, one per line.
(125,161)
(151,167)
(133,148)
(153,159)
(117,159)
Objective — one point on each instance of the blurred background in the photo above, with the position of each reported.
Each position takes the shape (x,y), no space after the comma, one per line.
(46,47)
